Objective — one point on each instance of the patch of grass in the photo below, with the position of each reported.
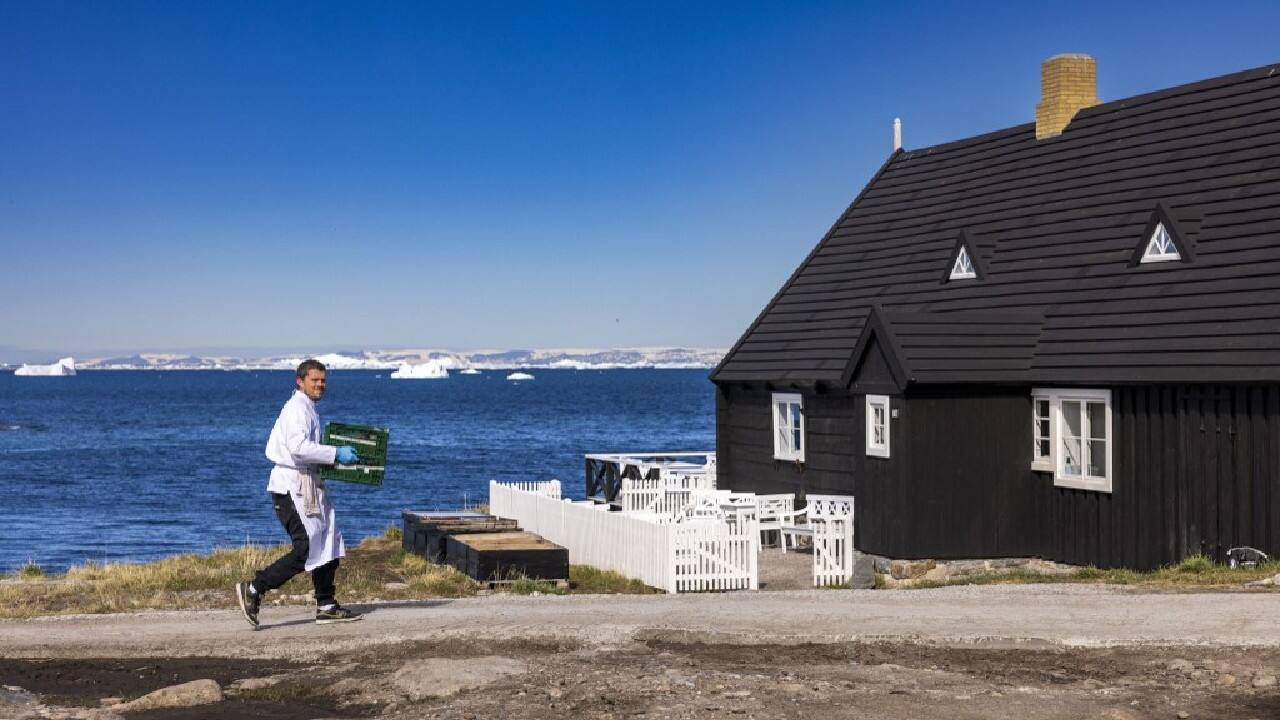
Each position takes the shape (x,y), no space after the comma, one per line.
(30,571)
(206,581)
(587,580)
(394,533)
(528,586)
(1195,572)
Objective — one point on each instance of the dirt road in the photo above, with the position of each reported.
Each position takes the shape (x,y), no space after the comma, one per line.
(997,651)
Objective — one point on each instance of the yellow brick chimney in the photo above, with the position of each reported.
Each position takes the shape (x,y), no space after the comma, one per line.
(1068,84)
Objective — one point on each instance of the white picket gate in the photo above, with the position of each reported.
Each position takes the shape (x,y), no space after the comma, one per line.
(677,557)
(831,518)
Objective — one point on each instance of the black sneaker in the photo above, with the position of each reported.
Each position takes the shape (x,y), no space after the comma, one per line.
(249,602)
(335,614)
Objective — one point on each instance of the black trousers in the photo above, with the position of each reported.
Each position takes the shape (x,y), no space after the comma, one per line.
(295,561)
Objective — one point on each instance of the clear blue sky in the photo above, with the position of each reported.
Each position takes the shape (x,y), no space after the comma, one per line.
(375,175)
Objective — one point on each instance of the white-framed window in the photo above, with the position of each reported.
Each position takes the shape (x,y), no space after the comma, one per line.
(1160,248)
(788,427)
(878,425)
(963,267)
(1080,437)
(1042,433)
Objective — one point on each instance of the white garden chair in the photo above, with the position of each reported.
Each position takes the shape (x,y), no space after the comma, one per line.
(775,511)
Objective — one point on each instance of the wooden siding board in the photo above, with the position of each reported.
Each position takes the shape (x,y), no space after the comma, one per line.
(1167,441)
(1273,467)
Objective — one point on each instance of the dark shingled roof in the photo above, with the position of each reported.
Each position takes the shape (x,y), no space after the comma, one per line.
(962,346)
(1056,223)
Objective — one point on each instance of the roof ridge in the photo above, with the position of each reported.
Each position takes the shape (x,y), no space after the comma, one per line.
(1259,72)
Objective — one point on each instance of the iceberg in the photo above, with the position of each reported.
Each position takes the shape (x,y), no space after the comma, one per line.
(519,376)
(429,370)
(64,367)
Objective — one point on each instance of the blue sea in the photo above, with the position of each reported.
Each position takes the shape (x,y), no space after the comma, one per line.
(113,466)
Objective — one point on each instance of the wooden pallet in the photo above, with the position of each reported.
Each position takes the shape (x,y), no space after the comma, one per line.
(501,556)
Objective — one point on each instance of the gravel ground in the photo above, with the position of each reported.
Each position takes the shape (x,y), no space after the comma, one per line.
(1058,651)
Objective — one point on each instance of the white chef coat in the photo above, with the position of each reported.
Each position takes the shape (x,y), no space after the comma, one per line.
(294,447)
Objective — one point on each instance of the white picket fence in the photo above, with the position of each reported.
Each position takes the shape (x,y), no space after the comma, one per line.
(550,488)
(694,556)
(666,495)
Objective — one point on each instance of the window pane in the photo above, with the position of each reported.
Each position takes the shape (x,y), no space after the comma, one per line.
(797,442)
(780,411)
(784,441)
(1071,416)
(1097,420)
(1070,455)
(795,414)
(1042,408)
(1098,458)
(1044,428)
(1042,447)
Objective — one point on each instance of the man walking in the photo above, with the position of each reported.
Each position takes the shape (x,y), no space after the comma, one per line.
(302,503)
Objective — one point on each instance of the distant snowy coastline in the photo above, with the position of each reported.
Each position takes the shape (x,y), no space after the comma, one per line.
(557,359)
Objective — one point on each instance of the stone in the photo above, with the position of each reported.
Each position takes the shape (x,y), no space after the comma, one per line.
(396,586)
(257,683)
(1226,680)
(937,574)
(555,693)
(960,568)
(910,569)
(864,572)
(110,701)
(1264,680)
(442,677)
(1183,715)
(1186,667)
(18,703)
(190,694)
(1119,714)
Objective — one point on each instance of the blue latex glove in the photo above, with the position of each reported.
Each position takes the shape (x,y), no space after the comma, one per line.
(347,455)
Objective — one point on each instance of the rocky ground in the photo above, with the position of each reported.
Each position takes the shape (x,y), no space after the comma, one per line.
(976,653)
(659,679)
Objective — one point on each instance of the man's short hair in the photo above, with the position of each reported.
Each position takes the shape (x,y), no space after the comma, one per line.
(308,365)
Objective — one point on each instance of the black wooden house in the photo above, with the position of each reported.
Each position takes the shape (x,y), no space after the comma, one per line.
(1058,340)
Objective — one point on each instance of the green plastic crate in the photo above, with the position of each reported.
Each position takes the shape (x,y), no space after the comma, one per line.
(370,444)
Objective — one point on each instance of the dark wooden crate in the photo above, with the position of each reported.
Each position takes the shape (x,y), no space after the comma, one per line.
(425,532)
(507,555)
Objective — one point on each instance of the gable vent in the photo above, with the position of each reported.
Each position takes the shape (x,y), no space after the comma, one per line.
(963,268)
(1161,247)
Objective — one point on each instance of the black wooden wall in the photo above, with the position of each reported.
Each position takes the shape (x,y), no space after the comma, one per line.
(744,443)
(1195,471)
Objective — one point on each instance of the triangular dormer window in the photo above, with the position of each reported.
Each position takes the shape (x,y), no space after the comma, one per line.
(1165,237)
(963,268)
(1161,247)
